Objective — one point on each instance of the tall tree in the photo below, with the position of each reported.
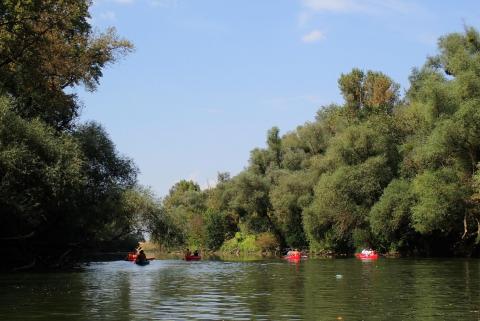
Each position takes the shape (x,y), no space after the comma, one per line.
(47,46)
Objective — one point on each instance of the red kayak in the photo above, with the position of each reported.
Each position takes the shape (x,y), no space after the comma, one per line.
(293,255)
(132,257)
(293,259)
(370,256)
(192,257)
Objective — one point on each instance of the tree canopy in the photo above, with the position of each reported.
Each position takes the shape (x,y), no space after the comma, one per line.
(64,186)
(400,174)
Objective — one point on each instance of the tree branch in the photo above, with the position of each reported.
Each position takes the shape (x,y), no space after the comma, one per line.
(20,237)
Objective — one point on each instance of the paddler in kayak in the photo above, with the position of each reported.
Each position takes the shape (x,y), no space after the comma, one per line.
(293,254)
(141,257)
(367,252)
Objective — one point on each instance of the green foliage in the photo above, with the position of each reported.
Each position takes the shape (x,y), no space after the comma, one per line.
(186,194)
(440,206)
(397,174)
(47,46)
(217,229)
(64,187)
(368,93)
(267,242)
(390,218)
(289,197)
(60,189)
(241,244)
(251,202)
(40,172)
(342,200)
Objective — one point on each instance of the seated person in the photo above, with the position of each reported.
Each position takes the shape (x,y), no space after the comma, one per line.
(293,253)
(367,251)
(141,257)
(195,253)
(188,253)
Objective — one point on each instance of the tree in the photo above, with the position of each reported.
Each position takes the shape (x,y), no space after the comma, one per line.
(251,201)
(371,92)
(47,46)
(274,144)
(289,197)
(391,217)
(217,228)
(41,175)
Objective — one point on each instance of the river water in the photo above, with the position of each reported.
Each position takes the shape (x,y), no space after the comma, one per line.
(314,289)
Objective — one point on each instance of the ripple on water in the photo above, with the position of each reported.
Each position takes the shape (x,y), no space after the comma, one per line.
(264,290)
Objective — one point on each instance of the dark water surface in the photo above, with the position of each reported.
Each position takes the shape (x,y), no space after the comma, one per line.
(315,289)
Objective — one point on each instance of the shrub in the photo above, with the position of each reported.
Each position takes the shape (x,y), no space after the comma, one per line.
(267,242)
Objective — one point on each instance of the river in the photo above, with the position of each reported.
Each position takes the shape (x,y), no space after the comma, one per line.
(314,289)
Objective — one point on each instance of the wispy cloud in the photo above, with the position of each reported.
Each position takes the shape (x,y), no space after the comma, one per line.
(384,9)
(313,36)
(363,6)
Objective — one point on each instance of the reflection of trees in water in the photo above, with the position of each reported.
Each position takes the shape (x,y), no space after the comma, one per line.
(276,290)
(206,290)
(41,296)
(107,295)
(471,270)
(395,289)
(443,289)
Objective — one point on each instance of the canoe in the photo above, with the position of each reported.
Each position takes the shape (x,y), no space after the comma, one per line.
(362,256)
(192,257)
(142,263)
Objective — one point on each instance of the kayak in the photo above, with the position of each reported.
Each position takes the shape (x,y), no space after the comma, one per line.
(372,256)
(293,259)
(192,257)
(294,255)
(142,263)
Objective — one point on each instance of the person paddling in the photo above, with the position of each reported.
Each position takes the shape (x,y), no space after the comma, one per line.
(141,257)
(294,254)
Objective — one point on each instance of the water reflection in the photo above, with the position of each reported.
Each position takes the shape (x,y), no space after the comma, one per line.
(397,289)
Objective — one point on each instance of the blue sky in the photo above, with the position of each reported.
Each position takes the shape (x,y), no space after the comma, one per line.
(208,78)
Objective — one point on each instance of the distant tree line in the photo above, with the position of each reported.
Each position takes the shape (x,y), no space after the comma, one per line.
(400,174)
